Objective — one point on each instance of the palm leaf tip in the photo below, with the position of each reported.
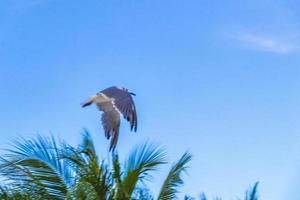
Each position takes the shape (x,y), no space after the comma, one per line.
(251,194)
(88,144)
(142,160)
(174,180)
(188,198)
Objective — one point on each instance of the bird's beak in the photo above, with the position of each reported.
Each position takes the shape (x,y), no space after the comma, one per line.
(132,93)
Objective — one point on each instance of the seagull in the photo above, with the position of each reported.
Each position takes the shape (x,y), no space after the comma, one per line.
(113,102)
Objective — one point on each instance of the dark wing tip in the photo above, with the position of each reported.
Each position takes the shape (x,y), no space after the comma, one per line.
(112,148)
(135,120)
(135,127)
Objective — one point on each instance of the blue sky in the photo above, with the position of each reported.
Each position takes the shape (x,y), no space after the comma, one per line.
(219,79)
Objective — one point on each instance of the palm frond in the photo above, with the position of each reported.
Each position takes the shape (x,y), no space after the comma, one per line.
(251,194)
(83,191)
(84,162)
(170,186)
(34,165)
(88,146)
(119,191)
(142,160)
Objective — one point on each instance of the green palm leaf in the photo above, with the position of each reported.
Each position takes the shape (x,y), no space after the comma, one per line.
(119,192)
(34,166)
(142,160)
(174,180)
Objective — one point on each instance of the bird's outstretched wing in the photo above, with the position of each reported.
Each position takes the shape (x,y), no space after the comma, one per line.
(110,122)
(124,103)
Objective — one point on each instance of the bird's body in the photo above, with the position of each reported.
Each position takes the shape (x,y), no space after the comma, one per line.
(114,101)
(103,101)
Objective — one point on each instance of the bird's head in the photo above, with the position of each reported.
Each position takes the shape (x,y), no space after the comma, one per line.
(125,89)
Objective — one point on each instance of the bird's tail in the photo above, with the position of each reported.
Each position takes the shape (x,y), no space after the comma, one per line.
(87,102)
(114,139)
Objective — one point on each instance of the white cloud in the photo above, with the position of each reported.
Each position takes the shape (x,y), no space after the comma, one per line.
(270,26)
(267,43)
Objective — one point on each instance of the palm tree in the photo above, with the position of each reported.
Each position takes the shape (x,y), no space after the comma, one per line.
(40,168)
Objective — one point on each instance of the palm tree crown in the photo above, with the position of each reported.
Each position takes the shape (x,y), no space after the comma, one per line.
(41,168)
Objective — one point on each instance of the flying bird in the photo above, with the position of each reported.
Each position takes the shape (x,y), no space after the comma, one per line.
(113,102)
